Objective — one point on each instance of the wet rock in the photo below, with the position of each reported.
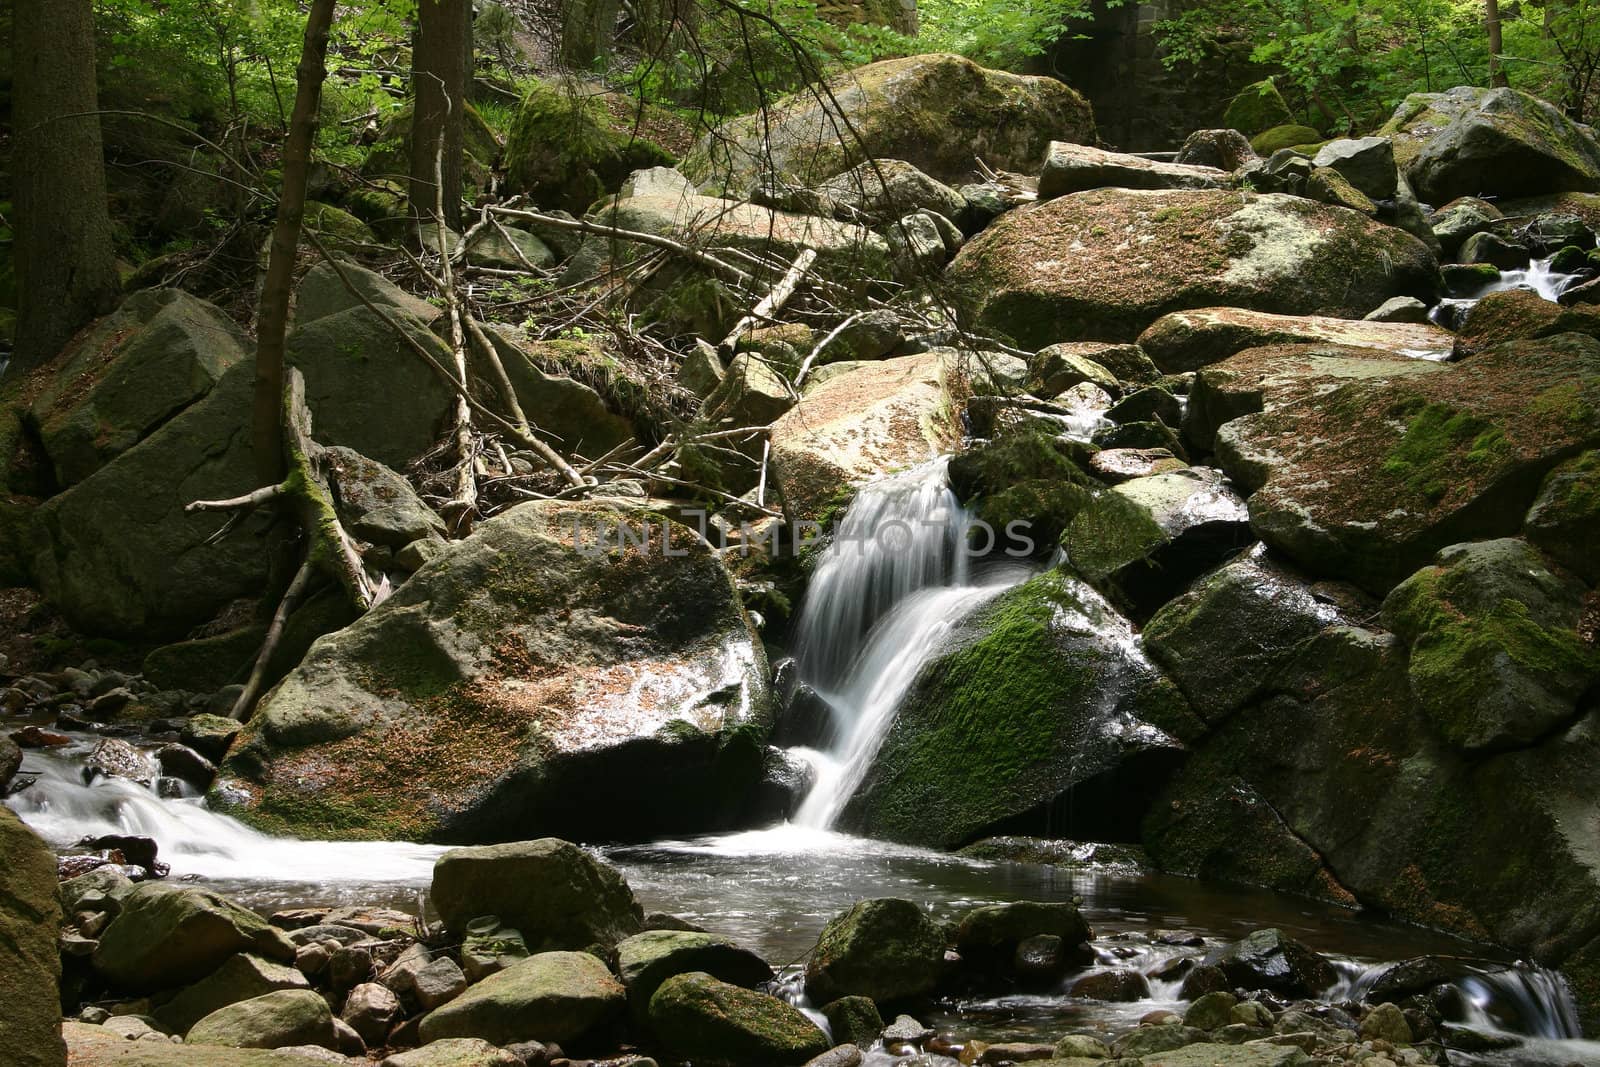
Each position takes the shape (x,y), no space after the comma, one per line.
(1211,1012)
(1226,150)
(1015,713)
(1492,248)
(241,977)
(651,672)
(1401,309)
(1112,986)
(30,967)
(181,761)
(1271,960)
(1074,168)
(700,1018)
(1040,958)
(646,960)
(906,1030)
(10,763)
(1144,540)
(553,996)
(1386,1022)
(1272,253)
(854,1020)
(1497,658)
(168,936)
(1118,465)
(1150,404)
(1489,142)
(1016,1052)
(838,1056)
(1190,340)
(370,1009)
(552,891)
(1054,370)
(275,1020)
(39,737)
(886,949)
(210,735)
(1566,513)
(994,933)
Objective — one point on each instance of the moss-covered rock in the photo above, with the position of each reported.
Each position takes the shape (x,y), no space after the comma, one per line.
(1458,220)
(566,149)
(1291,135)
(936,112)
(1144,540)
(1497,659)
(1518,315)
(1258,107)
(1104,265)
(1027,477)
(702,1019)
(167,935)
(646,960)
(1028,711)
(1471,141)
(1366,478)
(990,934)
(577,395)
(888,950)
(30,966)
(1566,514)
(281,1019)
(242,977)
(337,227)
(552,996)
(1054,370)
(1189,340)
(549,647)
(551,891)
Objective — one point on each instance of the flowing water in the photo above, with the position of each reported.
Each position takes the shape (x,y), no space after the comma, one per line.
(892,586)
(1537,278)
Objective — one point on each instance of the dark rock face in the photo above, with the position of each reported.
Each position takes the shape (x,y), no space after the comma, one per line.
(30,966)
(479,700)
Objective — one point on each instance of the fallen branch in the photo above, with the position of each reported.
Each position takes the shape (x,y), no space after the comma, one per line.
(805,367)
(258,671)
(705,259)
(770,304)
(457,511)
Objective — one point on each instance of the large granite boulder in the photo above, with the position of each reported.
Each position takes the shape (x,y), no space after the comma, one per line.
(30,966)
(480,700)
(887,949)
(127,375)
(859,423)
(118,555)
(1189,340)
(1470,141)
(1365,478)
(551,891)
(1036,698)
(704,1020)
(284,1019)
(1104,265)
(168,935)
(551,996)
(1497,654)
(646,960)
(1074,168)
(936,112)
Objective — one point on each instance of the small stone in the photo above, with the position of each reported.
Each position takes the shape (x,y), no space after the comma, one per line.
(438,983)
(906,1029)
(93,1015)
(1016,1052)
(39,737)
(107,705)
(311,960)
(1251,1013)
(349,967)
(181,761)
(1112,986)
(1399,309)
(838,1056)
(370,1009)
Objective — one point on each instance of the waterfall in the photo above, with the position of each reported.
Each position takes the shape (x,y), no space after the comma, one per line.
(1538,278)
(893,584)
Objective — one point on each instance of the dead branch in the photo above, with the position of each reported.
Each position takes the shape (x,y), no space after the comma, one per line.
(459,508)
(805,367)
(705,259)
(251,500)
(258,671)
(770,304)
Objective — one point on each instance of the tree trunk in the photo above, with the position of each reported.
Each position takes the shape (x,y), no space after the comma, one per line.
(1491,20)
(439,73)
(587,32)
(266,424)
(66,269)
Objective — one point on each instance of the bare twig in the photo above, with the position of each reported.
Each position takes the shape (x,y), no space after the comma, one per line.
(770,304)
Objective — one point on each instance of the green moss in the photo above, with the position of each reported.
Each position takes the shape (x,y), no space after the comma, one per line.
(1257,108)
(1437,439)
(1109,534)
(566,150)
(1279,137)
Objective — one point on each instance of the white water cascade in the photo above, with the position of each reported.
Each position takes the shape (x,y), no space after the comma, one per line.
(893,584)
(1538,278)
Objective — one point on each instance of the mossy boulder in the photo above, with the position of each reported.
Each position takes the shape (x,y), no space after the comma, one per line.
(989,935)
(1518,315)
(1144,540)
(551,646)
(551,996)
(864,421)
(646,960)
(1189,340)
(1471,141)
(167,935)
(1054,370)
(30,966)
(887,949)
(1566,514)
(1036,703)
(702,1019)
(127,375)
(241,977)
(282,1019)
(1025,486)
(936,112)
(577,395)
(566,149)
(1225,639)
(1104,265)
(1256,108)
(881,191)
(1497,657)
(390,156)
(117,553)
(1460,219)
(1339,770)
(1366,478)
(337,227)
(551,891)
(1292,135)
